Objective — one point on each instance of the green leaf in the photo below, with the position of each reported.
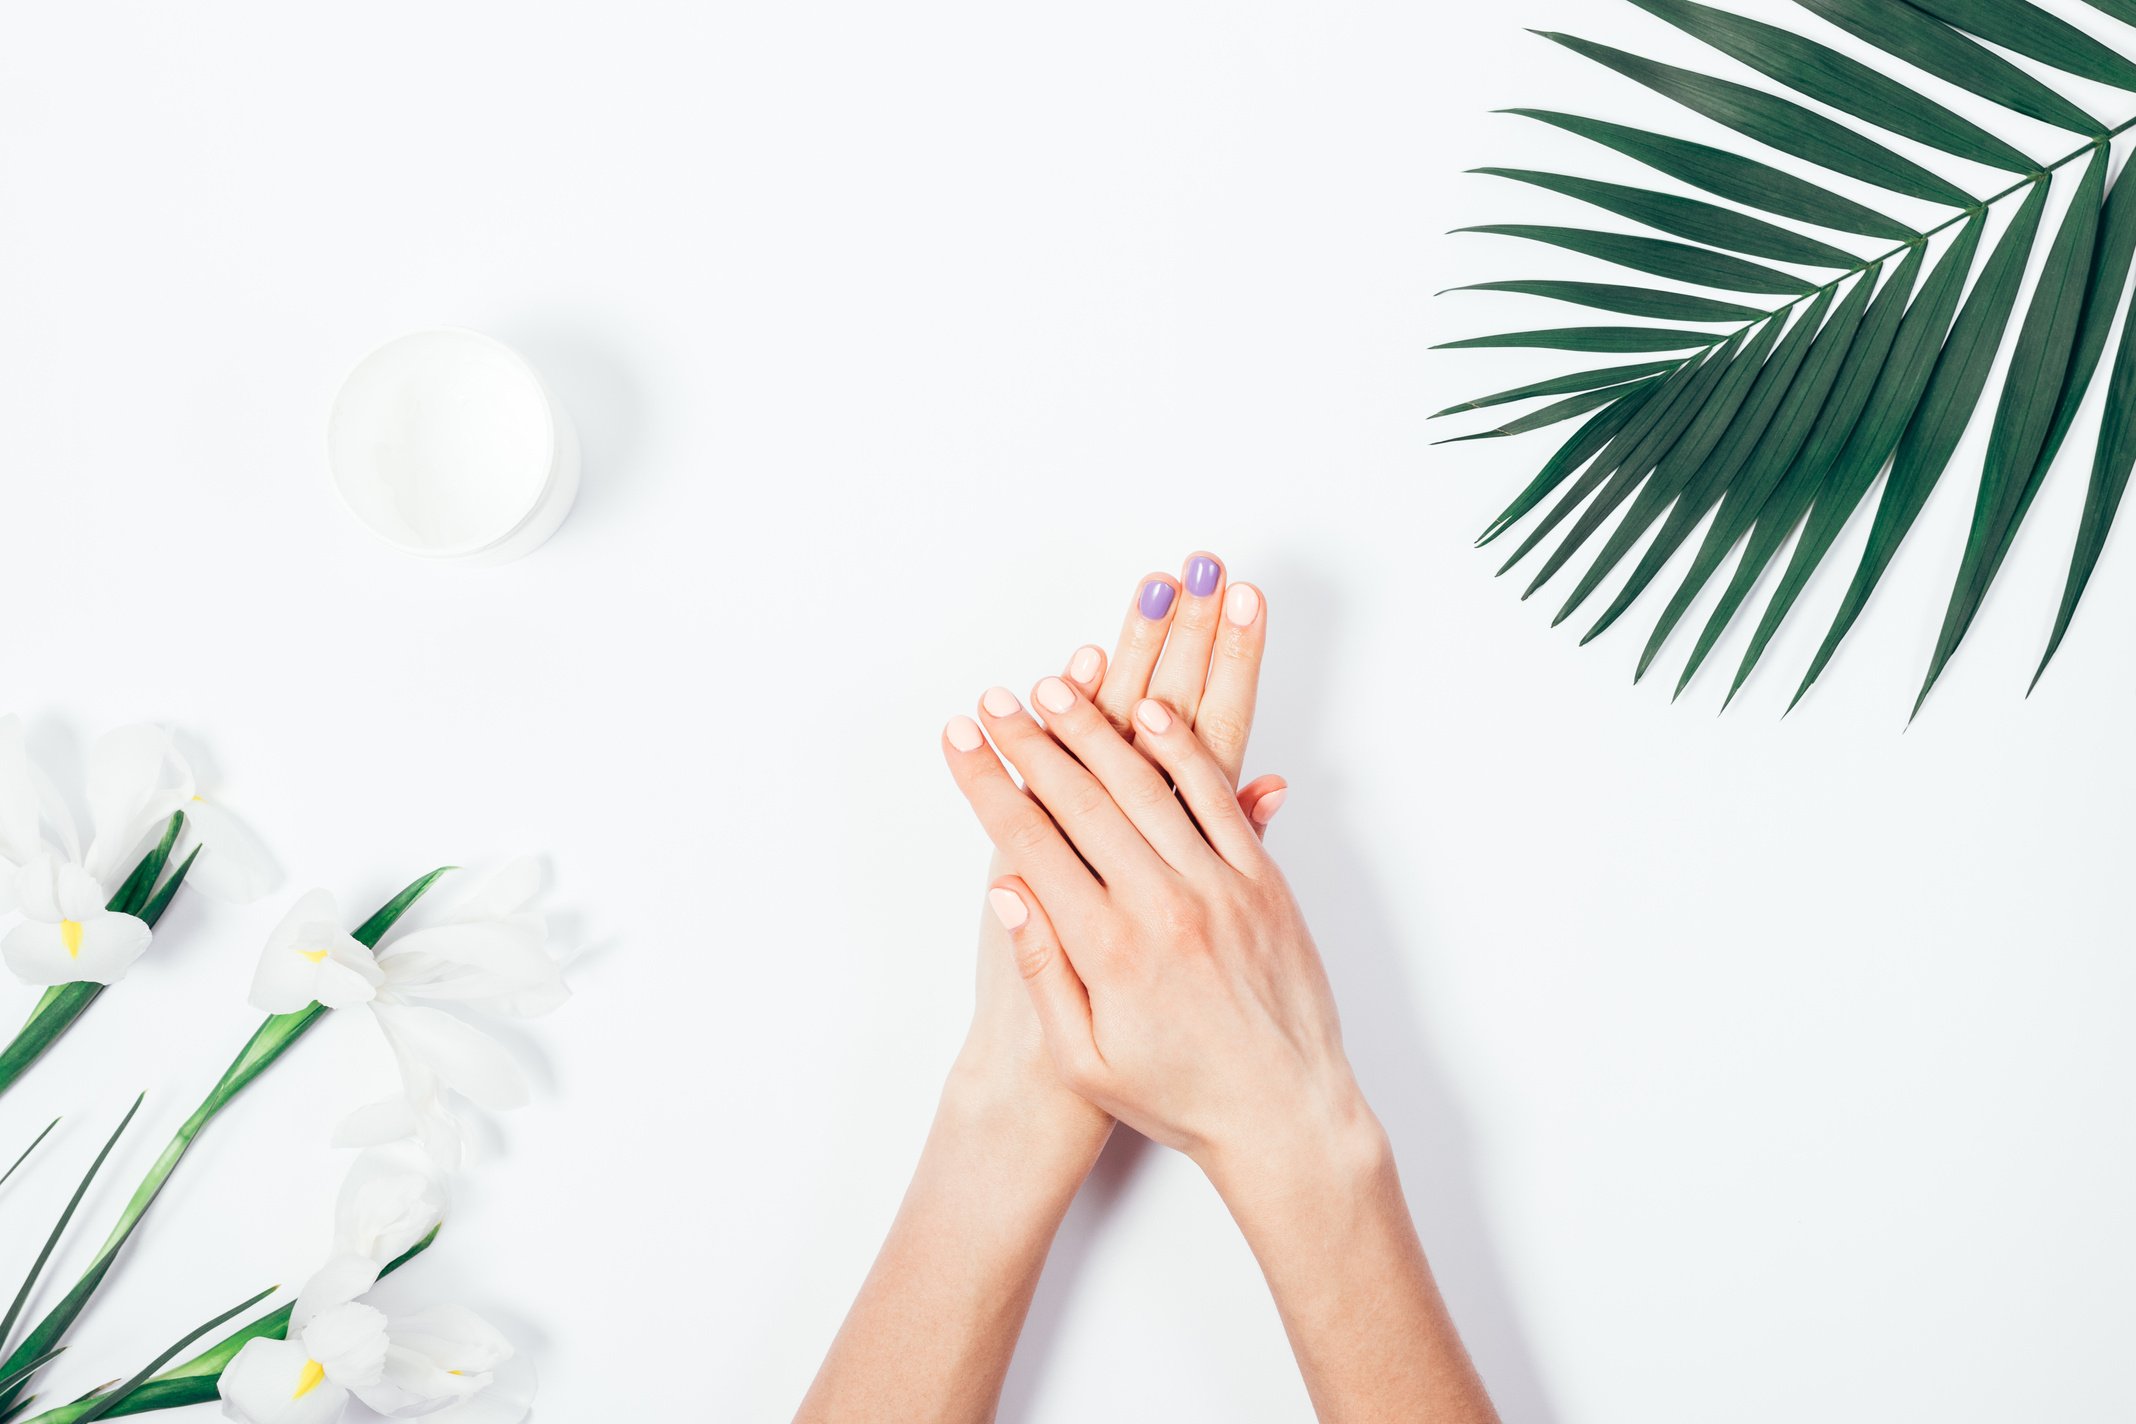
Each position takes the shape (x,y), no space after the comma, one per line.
(1675,260)
(1764,405)
(1586,442)
(2032,393)
(157,903)
(134,890)
(1681,464)
(2122,10)
(1745,491)
(40,1137)
(1872,366)
(1928,44)
(21,1357)
(1931,434)
(118,1396)
(1589,338)
(1560,385)
(1549,415)
(1631,301)
(1709,223)
(2110,467)
(1655,412)
(1846,84)
(2032,32)
(1727,175)
(1778,123)
(1644,457)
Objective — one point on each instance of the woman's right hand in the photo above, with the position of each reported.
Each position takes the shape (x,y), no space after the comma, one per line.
(1173,976)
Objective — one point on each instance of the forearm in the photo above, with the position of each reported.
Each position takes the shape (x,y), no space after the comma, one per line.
(930,1336)
(1326,1218)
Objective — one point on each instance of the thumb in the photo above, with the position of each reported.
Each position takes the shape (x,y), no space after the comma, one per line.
(1056,990)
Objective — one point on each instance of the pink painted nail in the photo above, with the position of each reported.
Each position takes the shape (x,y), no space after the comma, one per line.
(1242,605)
(999,701)
(1054,696)
(1008,908)
(1083,667)
(1152,715)
(1264,810)
(963,734)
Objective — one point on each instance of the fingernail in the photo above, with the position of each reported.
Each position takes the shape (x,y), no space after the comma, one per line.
(1152,714)
(963,734)
(1202,574)
(999,701)
(1156,600)
(1054,696)
(1264,810)
(1084,666)
(1008,908)
(1242,605)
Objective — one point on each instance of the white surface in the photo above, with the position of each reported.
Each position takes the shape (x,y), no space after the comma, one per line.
(444,443)
(1737,1065)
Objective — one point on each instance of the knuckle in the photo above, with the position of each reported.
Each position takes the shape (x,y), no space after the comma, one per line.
(1027,835)
(1084,799)
(1221,730)
(1033,954)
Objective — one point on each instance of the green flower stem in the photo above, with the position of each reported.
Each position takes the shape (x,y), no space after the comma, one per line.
(198,1380)
(62,1004)
(267,1044)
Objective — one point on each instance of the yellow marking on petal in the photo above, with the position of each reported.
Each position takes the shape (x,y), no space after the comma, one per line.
(309,1380)
(200,798)
(316,956)
(70,935)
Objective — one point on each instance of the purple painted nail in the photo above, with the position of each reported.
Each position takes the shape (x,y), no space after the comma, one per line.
(1202,574)
(1156,600)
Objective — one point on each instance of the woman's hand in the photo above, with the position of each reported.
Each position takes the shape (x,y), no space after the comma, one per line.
(1174,978)
(1178,989)
(1196,644)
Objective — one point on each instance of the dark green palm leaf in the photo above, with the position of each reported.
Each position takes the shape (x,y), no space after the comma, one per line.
(1846,84)
(1551,414)
(1628,301)
(2024,27)
(1927,43)
(1778,123)
(2032,392)
(1936,375)
(1781,420)
(2110,468)
(1590,338)
(1709,223)
(1727,175)
(1677,260)
(1561,385)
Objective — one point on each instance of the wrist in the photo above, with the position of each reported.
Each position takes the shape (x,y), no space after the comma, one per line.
(1030,1117)
(1325,1155)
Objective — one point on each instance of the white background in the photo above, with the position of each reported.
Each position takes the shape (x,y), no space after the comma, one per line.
(1739,1068)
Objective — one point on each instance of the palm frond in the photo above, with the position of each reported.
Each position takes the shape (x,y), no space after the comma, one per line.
(1790,396)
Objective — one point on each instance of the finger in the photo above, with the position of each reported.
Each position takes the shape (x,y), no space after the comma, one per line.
(1056,989)
(1076,800)
(1140,792)
(1184,669)
(1087,670)
(1020,830)
(1127,679)
(1166,740)
(1260,799)
(1226,715)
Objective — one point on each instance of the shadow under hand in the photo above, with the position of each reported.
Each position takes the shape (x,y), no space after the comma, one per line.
(1370,967)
